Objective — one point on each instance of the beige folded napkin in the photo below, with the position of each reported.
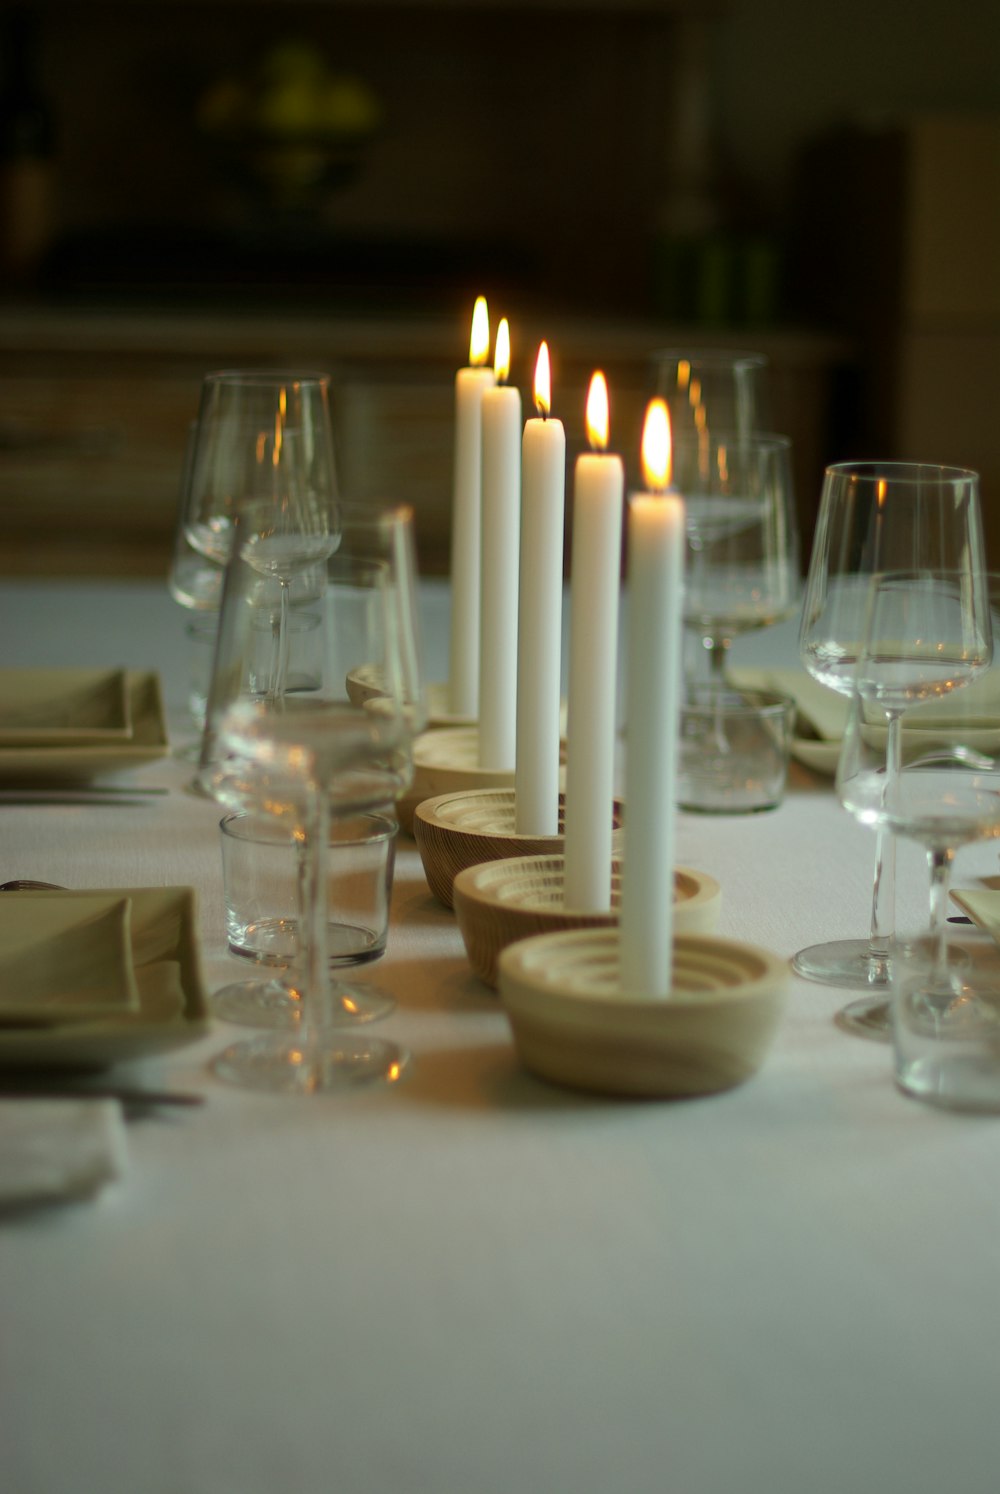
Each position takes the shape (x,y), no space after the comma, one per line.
(63,707)
(65,958)
(59,1149)
(982,907)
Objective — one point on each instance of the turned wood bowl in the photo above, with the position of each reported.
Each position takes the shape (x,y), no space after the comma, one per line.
(499,902)
(445,762)
(573,1025)
(457,830)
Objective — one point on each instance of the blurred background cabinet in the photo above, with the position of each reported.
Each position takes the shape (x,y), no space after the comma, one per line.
(95,409)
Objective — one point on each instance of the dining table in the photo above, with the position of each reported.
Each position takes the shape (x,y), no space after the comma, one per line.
(472,1281)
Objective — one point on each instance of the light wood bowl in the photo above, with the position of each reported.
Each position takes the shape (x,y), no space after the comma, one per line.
(445,762)
(574,1026)
(500,902)
(457,830)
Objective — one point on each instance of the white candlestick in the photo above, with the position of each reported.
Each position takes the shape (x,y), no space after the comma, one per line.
(463,664)
(539,626)
(599,483)
(501,518)
(654,661)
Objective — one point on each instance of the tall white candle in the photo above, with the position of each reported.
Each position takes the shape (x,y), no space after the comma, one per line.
(470,384)
(539,614)
(654,665)
(598,490)
(501,520)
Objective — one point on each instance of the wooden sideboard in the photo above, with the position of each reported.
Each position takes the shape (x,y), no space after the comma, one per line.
(95,408)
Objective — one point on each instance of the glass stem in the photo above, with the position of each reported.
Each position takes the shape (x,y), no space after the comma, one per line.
(883,926)
(313,935)
(940,867)
(279,669)
(718,652)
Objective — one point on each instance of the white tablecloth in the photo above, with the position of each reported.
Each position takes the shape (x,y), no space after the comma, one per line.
(473,1282)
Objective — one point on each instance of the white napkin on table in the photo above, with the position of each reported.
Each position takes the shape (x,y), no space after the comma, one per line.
(59,1149)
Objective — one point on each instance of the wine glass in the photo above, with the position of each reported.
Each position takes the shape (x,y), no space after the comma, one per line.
(379,537)
(875,518)
(263,454)
(930,772)
(195,583)
(742,563)
(708,389)
(305,757)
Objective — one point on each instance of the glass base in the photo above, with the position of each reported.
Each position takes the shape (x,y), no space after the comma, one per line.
(270,1004)
(868,1017)
(279,1065)
(843,962)
(948,1047)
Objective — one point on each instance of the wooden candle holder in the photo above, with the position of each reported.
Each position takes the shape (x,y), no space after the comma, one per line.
(574,1025)
(500,902)
(457,830)
(446,762)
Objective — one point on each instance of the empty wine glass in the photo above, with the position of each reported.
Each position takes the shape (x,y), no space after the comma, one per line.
(709,389)
(378,541)
(304,757)
(195,583)
(875,518)
(930,771)
(742,564)
(263,454)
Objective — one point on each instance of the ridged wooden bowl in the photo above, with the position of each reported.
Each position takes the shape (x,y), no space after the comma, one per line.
(574,1026)
(457,830)
(446,762)
(500,902)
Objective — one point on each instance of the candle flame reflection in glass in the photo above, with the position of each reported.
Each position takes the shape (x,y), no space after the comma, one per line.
(598,416)
(657,447)
(479,342)
(501,353)
(543,382)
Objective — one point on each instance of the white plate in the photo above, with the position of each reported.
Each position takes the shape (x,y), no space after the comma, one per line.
(76,763)
(172,1004)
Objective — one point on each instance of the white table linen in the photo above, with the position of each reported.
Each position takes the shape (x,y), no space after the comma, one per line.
(474,1282)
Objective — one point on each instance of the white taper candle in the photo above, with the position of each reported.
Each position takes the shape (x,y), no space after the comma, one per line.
(501,521)
(470,384)
(539,626)
(598,491)
(652,693)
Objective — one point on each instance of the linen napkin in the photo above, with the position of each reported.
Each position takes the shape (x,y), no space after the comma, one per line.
(59,1149)
(982,907)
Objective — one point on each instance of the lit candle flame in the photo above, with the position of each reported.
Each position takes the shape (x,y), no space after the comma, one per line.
(880,491)
(501,353)
(543,382)
(597,413)
(657,447)
(479,342)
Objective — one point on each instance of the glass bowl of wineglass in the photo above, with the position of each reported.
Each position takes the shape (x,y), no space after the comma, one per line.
(708,389)
(877,518)
(742,562)
(931,772)
(373,535)
(305,757)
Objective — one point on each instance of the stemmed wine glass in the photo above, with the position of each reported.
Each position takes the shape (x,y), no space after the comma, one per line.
(378,536)
(263,454)
(875,518)
(927,649)
(304,757)
(742,562)
(708,389)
